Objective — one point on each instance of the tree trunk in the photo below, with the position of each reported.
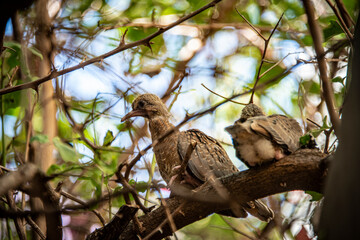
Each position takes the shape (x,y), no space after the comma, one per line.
(44,152)
(340,215)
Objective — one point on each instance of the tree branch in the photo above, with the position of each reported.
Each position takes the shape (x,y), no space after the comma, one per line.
(328,91)
(38,187)
(120,48)
(304,170)
(13,180)
(117,224)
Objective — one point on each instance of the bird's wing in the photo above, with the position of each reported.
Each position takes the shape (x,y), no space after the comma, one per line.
(208,156)
(279,128)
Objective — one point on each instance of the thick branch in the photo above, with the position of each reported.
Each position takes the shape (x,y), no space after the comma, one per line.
(38,187)
(303,170)
(328,91)
(50,199)
(13,180)
(117,224)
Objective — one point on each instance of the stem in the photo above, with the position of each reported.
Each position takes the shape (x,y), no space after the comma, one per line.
(10,237)
(3,153)
(151,175)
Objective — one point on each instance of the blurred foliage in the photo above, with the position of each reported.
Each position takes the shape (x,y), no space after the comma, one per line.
(91,141)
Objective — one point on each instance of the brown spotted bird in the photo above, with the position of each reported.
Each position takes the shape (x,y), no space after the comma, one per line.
(207,158)
(258,139)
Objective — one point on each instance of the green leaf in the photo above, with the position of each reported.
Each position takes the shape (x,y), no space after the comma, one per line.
(36,52)
(12,102)
(307,40)
(39,138)
(13,54)
(315,195)
(304,140)
(338,79)
(325,126)
(316,132)
(64,128)
(109,138)
(311,87)
(121,127)
(56,168)
(332,30)
(67,153)
(63,168)
(314,88)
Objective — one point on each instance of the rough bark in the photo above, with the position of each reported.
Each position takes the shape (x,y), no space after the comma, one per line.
(303,170)
(13,180)
(44,152)
(33,181)
(340,214)
(44,43)
(116,226)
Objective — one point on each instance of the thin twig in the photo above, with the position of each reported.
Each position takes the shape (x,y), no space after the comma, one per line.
(145,41)
(121,179)
(252,26)
(29,129)
(263,57)
(177,210)
(35,227)
(313,122)
(327,139)
(168,213)
(346,16)
(235,228)
(75,199)
(217,94)
(341,20)
(272,67)
(212,25)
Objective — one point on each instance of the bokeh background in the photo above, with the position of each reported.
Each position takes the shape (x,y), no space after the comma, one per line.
(214,50)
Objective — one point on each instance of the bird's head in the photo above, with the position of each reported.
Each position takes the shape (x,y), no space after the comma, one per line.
(250,110)
(148,106)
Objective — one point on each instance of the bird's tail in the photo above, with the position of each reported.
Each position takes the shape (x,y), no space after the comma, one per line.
(259,209)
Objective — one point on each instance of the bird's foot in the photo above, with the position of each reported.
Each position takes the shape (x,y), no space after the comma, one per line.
(279,154)
(172,179)
(185,177)
(188,179)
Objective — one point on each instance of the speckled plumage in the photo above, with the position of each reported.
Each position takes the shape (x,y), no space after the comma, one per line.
(208,157)
(258,138)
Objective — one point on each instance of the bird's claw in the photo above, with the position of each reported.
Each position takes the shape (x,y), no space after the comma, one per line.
(186,178)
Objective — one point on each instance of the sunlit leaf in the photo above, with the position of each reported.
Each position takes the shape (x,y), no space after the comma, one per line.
(36,52)
(67,153)
(332,30)
(109,138)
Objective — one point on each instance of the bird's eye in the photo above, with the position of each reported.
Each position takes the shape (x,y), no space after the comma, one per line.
(141,104)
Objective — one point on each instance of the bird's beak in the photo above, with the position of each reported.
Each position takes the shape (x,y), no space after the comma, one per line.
(231,130)
(134,113)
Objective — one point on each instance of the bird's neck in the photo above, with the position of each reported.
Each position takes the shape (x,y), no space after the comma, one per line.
(160,126)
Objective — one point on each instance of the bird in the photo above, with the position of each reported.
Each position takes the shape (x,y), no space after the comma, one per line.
(260,139)
(207,158)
